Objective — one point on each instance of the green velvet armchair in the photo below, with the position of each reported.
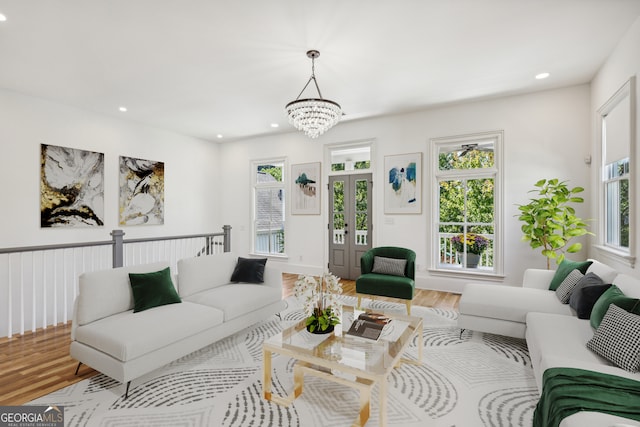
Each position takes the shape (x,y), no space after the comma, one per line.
(385,276)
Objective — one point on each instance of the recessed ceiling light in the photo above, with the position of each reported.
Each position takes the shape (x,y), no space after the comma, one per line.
(274,125)
(123,109)
(542,76)
(219,136)
(2,18)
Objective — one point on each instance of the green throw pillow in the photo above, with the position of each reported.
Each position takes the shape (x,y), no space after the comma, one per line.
(152,290)
(613,295)
(564,269)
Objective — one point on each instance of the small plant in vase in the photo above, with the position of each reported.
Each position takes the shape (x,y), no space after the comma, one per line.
(320,299)
(475,244)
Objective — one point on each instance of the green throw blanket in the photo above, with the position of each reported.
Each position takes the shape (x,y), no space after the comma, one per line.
(566,391)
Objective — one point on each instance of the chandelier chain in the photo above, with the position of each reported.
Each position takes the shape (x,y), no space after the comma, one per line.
(313,77)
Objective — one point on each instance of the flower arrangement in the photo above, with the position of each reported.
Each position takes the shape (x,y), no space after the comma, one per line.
(320,299)
(476,244)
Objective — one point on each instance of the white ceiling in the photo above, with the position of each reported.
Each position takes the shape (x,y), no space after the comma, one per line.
(209,67)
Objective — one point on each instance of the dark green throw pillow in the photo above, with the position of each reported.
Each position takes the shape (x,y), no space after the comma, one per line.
(152,290)
(249,270)
(613,295)
(565,268)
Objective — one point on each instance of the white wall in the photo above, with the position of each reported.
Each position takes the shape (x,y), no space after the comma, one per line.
(623,63)
(207,185)
(546,135)
(191,173)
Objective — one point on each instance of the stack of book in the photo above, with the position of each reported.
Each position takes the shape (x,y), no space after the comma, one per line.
(368,325)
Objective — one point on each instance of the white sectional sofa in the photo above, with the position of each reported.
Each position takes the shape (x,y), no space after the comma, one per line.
(109,337)
(555,336)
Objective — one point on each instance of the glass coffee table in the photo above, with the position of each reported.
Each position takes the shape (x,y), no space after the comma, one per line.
(356,362)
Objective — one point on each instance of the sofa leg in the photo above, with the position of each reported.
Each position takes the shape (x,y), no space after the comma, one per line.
(359,302)
(126,392)
(461,332)
(78,368)
(408,304)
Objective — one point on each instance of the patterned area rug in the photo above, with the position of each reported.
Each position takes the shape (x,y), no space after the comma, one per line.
(470,380)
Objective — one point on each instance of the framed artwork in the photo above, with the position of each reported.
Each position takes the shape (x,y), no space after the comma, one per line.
(71,187)
(403,184)
(141,192)
(305,189)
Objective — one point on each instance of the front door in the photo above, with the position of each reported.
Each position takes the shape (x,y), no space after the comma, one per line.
(350,231)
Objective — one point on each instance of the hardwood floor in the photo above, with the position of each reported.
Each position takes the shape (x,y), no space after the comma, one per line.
(423,297)
(39,363)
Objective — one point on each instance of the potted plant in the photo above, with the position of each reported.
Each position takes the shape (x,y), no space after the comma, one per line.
(475,245)
(320,299)
(550,221)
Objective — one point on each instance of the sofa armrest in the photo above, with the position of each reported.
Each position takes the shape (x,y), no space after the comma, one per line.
(74,320)
(272,277)
(537,278)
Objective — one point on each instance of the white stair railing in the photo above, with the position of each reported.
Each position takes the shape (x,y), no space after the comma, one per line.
(39,284)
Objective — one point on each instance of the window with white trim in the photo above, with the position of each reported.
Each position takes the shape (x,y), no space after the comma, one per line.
(269,207)
(616,202)
(350,157)
(467,213)
(617,124)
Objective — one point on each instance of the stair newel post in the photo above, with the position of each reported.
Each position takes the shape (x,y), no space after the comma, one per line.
(118,250)
(227,237)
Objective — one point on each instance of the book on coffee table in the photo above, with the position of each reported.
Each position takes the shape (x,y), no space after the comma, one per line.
(368,325)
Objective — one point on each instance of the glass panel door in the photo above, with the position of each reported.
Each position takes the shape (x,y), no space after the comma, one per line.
(349,223)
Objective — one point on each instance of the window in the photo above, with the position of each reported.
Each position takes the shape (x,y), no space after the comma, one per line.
(350,158)
(617,117)
(616,196)
(467,193)
(268,207)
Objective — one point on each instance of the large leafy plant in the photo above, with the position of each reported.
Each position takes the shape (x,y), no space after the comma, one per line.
(550,222)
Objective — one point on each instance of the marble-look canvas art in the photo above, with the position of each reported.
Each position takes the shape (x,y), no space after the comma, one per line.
(71,187)
(141,191)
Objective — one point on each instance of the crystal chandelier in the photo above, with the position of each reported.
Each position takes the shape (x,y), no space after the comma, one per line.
(313,116)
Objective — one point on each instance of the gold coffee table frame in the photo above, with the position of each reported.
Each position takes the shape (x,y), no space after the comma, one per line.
(354,362)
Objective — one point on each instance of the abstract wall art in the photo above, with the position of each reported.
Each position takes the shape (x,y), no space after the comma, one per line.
(141,192)
(305,191)
(71,187)
(403,184)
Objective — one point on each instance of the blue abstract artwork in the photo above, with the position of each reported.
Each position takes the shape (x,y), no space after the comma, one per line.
(402,189)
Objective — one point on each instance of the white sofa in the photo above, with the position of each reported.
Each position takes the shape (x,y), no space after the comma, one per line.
(109,337)
(555,336)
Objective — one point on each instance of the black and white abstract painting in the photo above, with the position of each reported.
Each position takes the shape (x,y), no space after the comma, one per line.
(71,187)
(141,191)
